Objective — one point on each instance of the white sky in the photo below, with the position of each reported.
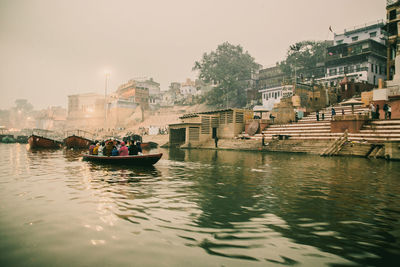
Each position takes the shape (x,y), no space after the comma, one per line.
(50,49)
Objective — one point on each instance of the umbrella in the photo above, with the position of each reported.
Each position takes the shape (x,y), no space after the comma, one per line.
(351,102)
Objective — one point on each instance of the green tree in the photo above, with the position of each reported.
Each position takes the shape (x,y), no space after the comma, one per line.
(303,58)
(228,68)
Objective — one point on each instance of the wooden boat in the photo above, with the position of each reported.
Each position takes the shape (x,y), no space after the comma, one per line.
(137,160)
(36,141)
(77,139)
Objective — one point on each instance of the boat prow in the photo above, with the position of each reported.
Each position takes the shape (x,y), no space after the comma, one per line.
(137,160)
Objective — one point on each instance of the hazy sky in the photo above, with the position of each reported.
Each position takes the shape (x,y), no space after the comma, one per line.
(50,49)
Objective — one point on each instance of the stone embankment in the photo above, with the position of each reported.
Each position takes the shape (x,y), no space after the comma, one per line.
(376,139)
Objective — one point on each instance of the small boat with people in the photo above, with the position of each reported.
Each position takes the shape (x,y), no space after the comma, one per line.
(136,160)
(114,151)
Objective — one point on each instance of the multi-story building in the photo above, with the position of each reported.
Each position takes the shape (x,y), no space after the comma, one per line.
(392,20)
(359,54)
(131,91)
(271,77)
(154,89)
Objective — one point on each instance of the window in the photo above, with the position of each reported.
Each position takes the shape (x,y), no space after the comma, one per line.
(339,42)
(354,38)
(376,68)
(332,72)
(372,67)
(351,68)
(372,34)
(341,70)
(392,14)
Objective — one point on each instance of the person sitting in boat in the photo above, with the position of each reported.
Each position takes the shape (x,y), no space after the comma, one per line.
(133,150)
(139,147)
(91,147)
(118,144)
(101,148)
(114,151)
(107,151)
(96,149)
(123,151)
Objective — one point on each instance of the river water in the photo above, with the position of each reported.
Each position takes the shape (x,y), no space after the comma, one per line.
(198,208)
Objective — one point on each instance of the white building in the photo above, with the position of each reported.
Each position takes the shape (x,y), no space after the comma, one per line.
(359,53)
(271,96)
(188,88)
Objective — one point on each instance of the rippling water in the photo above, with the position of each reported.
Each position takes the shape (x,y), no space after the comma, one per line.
(198,208)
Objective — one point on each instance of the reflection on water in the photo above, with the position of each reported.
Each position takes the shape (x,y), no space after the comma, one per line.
(198,207)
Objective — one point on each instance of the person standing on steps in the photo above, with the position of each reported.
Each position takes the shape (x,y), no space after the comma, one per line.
(333,112)
(216,141)
(385,109)
(317,115)
(377,115)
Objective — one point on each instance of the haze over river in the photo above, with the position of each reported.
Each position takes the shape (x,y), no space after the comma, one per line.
(198,208)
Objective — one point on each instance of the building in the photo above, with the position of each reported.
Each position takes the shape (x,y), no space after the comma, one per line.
(85,110)
(153,87)
(188,88)
(359,54)
(199,128)
(135,92)
(273,95)
(392,20)
(271,77)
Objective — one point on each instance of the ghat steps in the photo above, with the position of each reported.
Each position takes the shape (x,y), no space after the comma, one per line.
(308,128)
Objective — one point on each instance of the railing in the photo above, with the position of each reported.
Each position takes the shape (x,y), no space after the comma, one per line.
(362,26)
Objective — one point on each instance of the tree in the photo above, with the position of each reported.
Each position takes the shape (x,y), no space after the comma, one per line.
(303,58)
(228,69)
(23,105)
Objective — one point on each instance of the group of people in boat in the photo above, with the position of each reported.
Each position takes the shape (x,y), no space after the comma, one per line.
(116,148)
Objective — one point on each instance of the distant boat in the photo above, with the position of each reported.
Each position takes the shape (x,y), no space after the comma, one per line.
(36,141)
(22,139)
(137,160)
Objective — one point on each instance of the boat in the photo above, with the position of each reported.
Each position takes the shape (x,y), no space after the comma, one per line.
(78,139)
(137,160)
(36,141)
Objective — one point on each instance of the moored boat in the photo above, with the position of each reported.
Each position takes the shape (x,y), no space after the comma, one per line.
(137,160)
(75,141)
(78,139)
(36,141)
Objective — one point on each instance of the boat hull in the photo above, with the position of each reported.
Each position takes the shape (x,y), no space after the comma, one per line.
(36,141)
(75,141)
(139,160)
